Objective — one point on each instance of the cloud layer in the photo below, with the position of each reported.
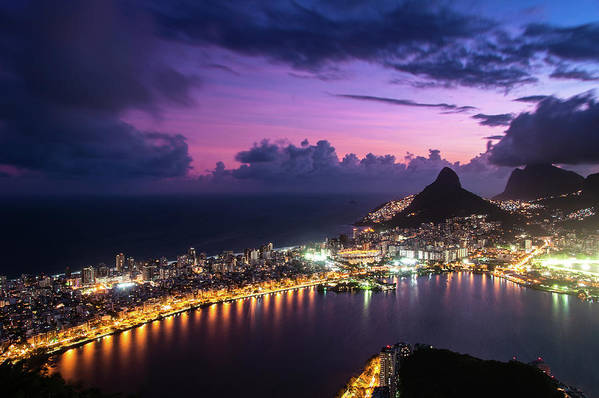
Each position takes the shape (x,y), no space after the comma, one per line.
(67,73)
(425,39)
(558,131)
(282,166)
(70,72)
(503,119)
(448,108)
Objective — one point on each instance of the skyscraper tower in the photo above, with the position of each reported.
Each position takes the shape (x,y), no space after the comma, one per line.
(192,256)
(120,262)
(387,377)
(88,275)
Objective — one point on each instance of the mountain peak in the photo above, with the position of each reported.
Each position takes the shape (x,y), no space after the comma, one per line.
(443,199)
(448,178)
(540,181)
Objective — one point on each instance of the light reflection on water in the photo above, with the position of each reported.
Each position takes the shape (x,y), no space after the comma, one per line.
(304,343)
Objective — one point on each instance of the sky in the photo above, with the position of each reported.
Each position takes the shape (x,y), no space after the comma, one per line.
(166,97)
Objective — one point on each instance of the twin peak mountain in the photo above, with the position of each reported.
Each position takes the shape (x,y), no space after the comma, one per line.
(445,197)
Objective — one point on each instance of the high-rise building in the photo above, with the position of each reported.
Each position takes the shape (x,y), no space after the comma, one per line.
(148,272)
(103,271)
(183,260)
(265,251)
(192,256)
(388,375)
(247,255)
(120,262)
(527,245)
(88,275)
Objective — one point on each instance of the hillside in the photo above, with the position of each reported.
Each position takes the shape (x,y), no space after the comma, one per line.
(444,198)
(540,181)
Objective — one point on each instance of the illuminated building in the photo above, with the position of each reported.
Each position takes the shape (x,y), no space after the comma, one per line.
(120,262)
(388,374)
(148,272)
(265,251)
(130,263)
(247,253)
(445,255)
(103,271)
(355,256)
(88,275)
(45,282)
(192,256)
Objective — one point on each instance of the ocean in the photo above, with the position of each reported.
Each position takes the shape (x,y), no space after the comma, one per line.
(45,235)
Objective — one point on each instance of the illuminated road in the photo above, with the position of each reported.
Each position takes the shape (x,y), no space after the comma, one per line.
(531,255)
(81,334)
(363,385)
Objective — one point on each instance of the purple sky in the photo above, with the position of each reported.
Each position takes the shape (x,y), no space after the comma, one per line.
(149,96)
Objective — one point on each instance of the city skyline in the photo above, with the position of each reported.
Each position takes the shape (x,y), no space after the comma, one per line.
(299,198)
(150,97)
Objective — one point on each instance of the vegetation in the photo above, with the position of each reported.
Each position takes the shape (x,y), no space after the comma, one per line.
(29,379)
(433,373)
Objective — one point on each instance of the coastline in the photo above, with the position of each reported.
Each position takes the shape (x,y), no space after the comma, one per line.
(206,304)
(118,329)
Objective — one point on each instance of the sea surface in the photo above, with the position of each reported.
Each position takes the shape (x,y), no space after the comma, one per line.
(48,234)
(308,344)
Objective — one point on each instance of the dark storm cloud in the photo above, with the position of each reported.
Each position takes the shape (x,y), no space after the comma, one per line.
(575,74)
(450,108)
(417,37)
(265,152)
(502,119)
(484,68)
(68,72)
(578,43)
(89,144)
(531,98)
(287,167)
(425,38)
(558,131)
(311,36)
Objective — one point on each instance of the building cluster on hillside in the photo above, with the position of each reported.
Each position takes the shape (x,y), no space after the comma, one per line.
(450,241)
(388,210)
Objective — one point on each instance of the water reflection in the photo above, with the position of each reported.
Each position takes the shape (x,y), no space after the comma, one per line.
(367,296)
(330,336)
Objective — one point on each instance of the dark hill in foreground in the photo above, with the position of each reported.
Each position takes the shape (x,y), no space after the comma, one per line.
(434,373)
(444,198)
(540,181)
(19,381)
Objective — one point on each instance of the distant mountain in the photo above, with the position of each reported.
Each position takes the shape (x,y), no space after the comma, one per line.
(540,181)
(444,198)
(590,189)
